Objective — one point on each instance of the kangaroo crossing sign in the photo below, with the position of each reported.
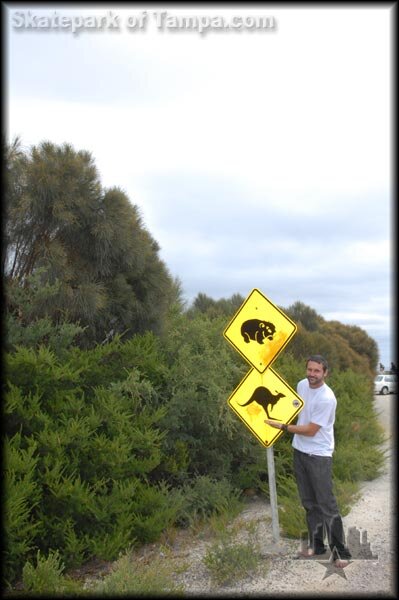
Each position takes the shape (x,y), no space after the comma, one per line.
(265,396)
(260,331)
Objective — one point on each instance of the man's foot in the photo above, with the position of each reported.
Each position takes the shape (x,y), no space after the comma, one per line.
(341,563)
(306,553)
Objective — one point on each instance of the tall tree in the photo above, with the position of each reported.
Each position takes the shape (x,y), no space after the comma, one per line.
(215,308)
(307,316)
(89,241)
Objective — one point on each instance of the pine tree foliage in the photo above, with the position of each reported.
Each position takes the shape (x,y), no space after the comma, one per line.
(305,315)
(88,244)
(345,346)
(215,308)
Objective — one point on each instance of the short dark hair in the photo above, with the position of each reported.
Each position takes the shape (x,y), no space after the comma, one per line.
(319,359)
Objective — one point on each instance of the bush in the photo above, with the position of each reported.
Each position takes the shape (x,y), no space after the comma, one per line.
(23,321)
(108,447)
(203,372)
(346,492)
(291,513)
(112,362)
(358,435)
(206,497)
(47,577)
(128,578)
(230,561)
(22,495)
(78,465)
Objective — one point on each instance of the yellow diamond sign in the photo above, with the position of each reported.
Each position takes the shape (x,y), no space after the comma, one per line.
(259,330)
(265,396)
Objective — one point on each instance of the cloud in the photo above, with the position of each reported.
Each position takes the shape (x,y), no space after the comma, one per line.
(257,160)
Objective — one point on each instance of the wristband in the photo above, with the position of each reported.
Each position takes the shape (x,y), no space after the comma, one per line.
(284,427)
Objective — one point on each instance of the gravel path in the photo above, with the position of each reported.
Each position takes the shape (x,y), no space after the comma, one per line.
(281,574)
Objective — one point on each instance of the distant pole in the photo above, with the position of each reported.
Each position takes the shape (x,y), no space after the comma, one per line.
(273,494)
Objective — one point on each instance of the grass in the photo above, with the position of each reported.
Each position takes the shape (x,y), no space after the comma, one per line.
(128,577)
(46,577)
(228,560)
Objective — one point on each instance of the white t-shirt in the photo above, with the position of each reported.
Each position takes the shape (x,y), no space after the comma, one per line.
(319,407)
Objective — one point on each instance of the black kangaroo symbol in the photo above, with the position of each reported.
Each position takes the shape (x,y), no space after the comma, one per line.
(265,398)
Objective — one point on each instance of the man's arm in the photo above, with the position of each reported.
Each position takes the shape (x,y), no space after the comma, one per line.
(309,430)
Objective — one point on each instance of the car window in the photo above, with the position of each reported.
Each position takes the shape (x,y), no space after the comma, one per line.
(379,378)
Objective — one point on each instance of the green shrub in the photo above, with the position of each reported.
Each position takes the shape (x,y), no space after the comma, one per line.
(291,513)
(289,368)
(346,492)
(110,446)
(47,577)
(251,474)
(23,321)
(128,578)
(203,372)
(155,509)
(206,497)
(229,561)
(351,464)
(22,495)
(358,435)
(112,362)
(79,466)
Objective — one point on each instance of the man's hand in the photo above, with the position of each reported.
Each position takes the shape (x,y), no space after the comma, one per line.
(275,424)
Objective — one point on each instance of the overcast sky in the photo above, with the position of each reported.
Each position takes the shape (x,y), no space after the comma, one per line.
(259,157)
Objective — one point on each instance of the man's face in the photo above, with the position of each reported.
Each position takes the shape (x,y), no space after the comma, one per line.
(315,374)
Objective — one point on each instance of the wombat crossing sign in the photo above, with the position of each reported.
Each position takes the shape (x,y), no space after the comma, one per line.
(259,331)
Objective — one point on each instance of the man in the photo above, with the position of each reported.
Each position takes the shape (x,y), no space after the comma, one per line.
(313,445)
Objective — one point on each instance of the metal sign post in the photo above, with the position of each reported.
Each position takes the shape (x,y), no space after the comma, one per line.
(273,494)
(259,331)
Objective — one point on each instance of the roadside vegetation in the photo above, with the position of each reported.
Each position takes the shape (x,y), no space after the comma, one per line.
(117,427)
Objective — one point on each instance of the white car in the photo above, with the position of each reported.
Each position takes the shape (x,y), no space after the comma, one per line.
(385,384)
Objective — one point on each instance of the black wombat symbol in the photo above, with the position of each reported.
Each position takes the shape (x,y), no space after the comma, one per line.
(257,330)
(265,398)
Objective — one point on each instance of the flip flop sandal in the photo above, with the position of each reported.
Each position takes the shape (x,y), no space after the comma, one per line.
(306,554)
